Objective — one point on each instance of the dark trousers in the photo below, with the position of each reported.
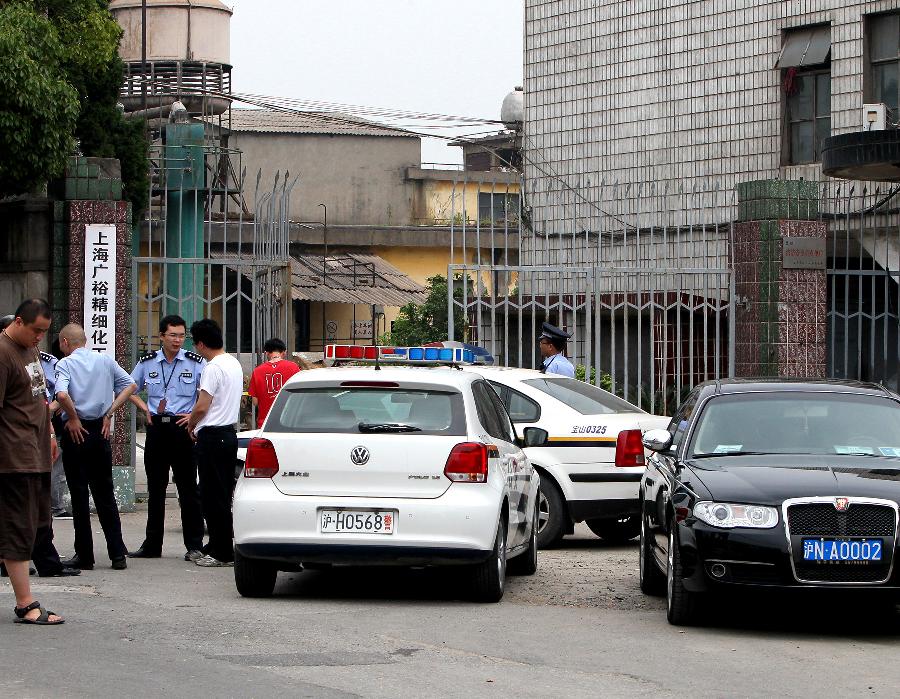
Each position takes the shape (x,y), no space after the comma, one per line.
(170,446)
(88,469)
(216,451)
(44,554)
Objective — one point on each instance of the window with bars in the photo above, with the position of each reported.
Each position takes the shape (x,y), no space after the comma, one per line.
(805,62)
(884,56)
(498,209)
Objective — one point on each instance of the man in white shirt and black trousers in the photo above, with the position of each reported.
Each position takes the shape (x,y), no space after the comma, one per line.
(211,425)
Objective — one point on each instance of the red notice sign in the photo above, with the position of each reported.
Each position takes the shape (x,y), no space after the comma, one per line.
(803,253)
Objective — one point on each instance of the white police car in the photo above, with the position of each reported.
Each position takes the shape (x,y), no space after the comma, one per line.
(397,465)
(591,464)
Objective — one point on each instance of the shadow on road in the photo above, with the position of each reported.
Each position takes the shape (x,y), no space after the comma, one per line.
(398,585)
(860,614)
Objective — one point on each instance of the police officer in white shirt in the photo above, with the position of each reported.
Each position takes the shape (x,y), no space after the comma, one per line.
(211,423)
(552,343)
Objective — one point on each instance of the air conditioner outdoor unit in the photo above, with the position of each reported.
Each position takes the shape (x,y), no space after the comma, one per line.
(874,117)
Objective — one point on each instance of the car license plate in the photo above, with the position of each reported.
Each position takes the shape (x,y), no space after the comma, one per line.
(357,521)
(842,549)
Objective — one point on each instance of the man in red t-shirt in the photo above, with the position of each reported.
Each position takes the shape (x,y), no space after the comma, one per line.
(268,378)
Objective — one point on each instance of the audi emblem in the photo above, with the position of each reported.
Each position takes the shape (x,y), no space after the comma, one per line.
(359,456)
(841,504)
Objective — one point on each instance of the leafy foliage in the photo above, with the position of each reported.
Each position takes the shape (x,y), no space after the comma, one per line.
(418,324)
(605,379)
(61,80)
(38,106)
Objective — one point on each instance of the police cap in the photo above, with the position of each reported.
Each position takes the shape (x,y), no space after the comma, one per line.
(554,333)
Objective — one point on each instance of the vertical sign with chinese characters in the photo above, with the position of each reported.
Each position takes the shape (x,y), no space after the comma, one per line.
(100,287)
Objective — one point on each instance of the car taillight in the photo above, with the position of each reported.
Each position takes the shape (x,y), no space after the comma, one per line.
(468,462)
(261,460)
(629,448)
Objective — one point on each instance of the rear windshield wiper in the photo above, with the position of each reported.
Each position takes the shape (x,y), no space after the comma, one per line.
(387,427)
(714,455)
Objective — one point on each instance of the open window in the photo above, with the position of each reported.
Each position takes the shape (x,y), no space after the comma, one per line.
(805,65)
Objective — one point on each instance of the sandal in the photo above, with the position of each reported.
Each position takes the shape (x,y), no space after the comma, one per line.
(42,620)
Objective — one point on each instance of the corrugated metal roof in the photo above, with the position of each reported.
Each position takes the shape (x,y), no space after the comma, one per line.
(352,278)
(334,123)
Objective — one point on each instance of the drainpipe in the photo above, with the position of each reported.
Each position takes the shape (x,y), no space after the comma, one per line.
(185,184)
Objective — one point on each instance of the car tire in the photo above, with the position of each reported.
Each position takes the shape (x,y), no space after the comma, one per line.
(489,578)
(254,578)
(652,580)
(551,514)
(526,563)
(616,531)
(681,604)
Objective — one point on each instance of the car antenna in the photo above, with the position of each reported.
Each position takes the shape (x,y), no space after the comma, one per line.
(377,358)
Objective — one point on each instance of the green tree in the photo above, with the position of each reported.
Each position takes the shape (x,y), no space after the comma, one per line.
(38,106)
(418,324)
(61,81)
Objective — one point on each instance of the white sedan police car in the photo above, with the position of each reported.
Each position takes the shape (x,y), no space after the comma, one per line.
(395,465)
(592,462)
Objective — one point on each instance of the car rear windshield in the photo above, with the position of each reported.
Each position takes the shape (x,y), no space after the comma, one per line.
(583,397)
(342,409)
(791,423)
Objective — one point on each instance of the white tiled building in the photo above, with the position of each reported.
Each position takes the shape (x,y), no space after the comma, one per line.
(690,95)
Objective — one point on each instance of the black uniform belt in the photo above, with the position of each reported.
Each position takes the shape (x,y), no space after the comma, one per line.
(216,428)
(159,420)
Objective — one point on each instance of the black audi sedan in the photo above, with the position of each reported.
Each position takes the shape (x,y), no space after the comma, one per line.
(771,483)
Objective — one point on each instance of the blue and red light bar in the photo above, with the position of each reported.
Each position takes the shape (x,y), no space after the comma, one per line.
(397,355)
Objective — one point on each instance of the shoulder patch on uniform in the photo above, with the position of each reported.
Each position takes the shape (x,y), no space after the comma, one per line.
(193,356)
(147,357)
(47,357)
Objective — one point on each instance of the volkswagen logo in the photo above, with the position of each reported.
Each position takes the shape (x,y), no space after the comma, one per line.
(840,504)
(359,456)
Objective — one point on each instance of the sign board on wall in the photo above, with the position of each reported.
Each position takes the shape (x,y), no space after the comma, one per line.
(803,253)
(100,287)
(362,329)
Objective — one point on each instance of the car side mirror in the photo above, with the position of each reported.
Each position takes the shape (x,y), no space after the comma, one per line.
(657,440)
(534,437)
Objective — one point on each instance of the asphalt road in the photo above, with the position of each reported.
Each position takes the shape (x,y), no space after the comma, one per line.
(579,628)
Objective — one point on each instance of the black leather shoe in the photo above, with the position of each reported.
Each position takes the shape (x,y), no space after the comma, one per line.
(62,573)
(119,563)
(144,553)
(4,574)
(75,562)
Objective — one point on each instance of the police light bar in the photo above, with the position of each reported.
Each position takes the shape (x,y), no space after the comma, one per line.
(397,355)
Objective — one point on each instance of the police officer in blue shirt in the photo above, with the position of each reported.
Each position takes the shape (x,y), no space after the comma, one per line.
(171,377)
(552,342)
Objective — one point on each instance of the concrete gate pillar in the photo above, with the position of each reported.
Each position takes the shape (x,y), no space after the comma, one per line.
(92,193)
(780,281)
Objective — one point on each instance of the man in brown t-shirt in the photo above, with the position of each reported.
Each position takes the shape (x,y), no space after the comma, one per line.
(27,451)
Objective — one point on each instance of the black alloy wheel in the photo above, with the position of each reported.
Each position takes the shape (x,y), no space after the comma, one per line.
(652,580)
(489,577)
(254,578)
(551,514)
(681,604)
(526,563)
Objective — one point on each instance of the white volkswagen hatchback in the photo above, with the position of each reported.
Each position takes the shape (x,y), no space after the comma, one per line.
(410,466)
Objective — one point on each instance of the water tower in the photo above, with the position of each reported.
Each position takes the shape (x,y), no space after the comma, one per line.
(182,53)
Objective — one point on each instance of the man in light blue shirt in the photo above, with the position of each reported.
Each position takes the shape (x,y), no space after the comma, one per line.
(90,387)
(552,342)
